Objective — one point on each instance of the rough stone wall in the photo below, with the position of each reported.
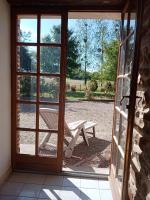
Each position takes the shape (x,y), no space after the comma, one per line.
(139,182)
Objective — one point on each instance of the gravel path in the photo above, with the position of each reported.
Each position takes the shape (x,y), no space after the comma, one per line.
(97,155)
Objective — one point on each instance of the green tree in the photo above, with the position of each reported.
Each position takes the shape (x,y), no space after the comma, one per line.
(50,57)
(109,68)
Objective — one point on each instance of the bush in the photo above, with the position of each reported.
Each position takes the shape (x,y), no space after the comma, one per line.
(88,94)
(73,88)
(93,85)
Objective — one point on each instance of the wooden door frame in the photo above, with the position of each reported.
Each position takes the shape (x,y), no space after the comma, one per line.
(20,162)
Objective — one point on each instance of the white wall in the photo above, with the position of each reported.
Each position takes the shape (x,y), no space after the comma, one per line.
(5,91)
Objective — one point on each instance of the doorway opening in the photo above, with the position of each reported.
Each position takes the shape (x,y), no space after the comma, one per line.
(93,43)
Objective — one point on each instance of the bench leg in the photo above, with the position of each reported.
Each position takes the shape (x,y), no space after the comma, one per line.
(94,131)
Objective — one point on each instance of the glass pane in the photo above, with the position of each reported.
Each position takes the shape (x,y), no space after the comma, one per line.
(132,21)
(117,124)
(48,118)
(119,171)
(26,59)
(26,87)
(50,60)
(26,115)
(119,92)
(123,133)
(49,89)
(26,142)
(27,28)
(48,144)
(126,92)
(130,55)
(50,29)
(122,59)
(125,25)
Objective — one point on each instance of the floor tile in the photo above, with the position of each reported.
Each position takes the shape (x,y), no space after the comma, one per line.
(68,193)
(49,192)
(19,177)
(2,197)
(71,182)
(54,180)
(11,188)
(89,194)
(90,183)
(36,179)
(30,190)
(106,195)
(104,185)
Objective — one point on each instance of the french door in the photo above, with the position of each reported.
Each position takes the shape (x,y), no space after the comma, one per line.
(39,41)
(124,104)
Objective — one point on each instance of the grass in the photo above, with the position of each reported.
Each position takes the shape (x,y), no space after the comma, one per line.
(80,95)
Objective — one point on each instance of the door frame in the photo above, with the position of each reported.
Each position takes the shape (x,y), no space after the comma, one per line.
(20,161)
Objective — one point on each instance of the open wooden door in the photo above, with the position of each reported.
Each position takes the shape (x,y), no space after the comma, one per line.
(124,107)
(39,41)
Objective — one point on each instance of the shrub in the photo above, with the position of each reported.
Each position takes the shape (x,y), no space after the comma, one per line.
(88,94)
(93,85)
(67,86)
(73,88)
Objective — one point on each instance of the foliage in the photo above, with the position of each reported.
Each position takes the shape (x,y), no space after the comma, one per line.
(109,68)
(93,85)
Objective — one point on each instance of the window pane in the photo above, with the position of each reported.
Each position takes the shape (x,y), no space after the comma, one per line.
(50,29)
(49,89)
(26,142)
(125,25)
(26,87)
(48,118)
(119,92)
(50,60)
(119,170)
(48,144)
(26,115)
(26,59)
(123,133)
(27,28)
(122,59)
(117,124)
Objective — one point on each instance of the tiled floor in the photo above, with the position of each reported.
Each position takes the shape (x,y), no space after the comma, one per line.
(23,186)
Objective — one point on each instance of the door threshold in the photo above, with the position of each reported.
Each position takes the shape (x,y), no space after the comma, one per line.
(80,174)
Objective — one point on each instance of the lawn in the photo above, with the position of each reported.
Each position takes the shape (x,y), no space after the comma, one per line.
(80,95)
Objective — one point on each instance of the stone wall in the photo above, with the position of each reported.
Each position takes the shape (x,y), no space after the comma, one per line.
(139,182)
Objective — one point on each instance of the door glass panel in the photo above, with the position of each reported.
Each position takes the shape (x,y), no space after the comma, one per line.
(26,87)
(27,59)
(26,142)
(125,25)
(48,118)
(27,28)
(49,89)
(50,29)
(117,124)
(123,127)
(48,144)
(132,21)
(119,170)
(26,115)
(119,92)
(50,60)
(130,53)
(122,59)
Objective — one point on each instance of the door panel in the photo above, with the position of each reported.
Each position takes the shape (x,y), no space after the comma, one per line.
(38,80)
(122,108)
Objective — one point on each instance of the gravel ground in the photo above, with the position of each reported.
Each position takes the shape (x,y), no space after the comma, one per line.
(97,155)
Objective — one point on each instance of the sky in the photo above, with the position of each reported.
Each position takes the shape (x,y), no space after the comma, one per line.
(30,25)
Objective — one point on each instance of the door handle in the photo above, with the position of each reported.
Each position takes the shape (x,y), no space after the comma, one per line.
(123,99)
